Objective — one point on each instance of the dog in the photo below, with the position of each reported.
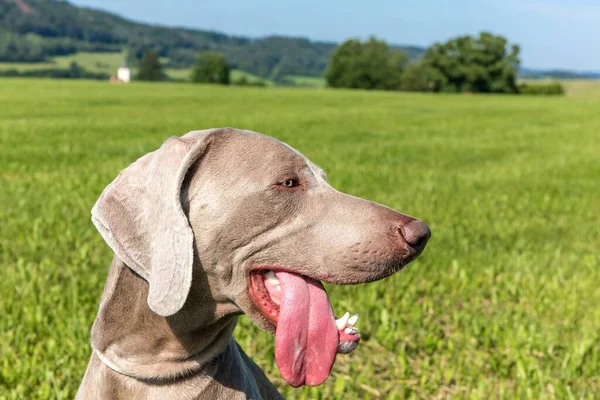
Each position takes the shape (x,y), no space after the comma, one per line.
(218,223)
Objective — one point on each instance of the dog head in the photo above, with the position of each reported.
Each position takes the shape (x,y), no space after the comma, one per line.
(260,221)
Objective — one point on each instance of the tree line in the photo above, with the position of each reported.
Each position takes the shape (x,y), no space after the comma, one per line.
(210,67)
(483,64)
(55,27)
(37,30)
(75,71)
(465,64)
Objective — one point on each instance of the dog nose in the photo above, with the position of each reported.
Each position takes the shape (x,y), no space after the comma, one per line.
(416,233)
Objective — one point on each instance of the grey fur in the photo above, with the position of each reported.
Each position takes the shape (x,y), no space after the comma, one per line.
(188,223)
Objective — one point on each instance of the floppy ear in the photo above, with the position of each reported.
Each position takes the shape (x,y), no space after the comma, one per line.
(141,218)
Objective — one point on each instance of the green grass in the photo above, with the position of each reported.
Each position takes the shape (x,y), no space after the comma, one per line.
(180,74)
(307,81)
(185,75)
(573,87)
(504,303)
(576,87)
(23,66)
(238,74)
(93,62)
(109,63)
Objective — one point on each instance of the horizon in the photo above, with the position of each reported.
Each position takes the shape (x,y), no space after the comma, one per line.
(563,26)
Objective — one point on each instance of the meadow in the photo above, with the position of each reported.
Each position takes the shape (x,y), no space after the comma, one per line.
(109,63)
(504,303)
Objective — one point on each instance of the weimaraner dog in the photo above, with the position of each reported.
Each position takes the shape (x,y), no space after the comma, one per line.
(223,222)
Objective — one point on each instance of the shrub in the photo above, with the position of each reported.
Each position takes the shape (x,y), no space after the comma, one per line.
(366,65)
(211,67)
(542,89)
(484,64)
(150,68)
(416,78)
(244,81)
(74,72)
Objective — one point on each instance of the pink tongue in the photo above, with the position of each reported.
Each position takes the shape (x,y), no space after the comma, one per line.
(306,339)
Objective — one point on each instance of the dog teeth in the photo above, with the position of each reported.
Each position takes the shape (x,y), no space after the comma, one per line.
(341,322)
(272,278)
(350,331)
(270,275)
(352,320)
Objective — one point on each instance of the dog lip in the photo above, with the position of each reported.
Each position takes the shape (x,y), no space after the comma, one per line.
(261,298)
(261,269)
(369,275)
(269,310)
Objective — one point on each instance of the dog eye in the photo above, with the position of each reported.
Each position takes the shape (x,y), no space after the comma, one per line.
(290,183)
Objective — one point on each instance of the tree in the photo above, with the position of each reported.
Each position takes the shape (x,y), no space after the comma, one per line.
(150,68)
(468,64)
(368,65)
(416,77)
(75,71)
(211,67)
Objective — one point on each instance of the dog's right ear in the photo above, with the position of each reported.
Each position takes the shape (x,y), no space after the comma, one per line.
(140,216)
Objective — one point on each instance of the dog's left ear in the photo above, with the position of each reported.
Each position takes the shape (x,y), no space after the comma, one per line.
(140,216)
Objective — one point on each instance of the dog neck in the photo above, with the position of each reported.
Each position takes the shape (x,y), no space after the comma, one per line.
(134,341)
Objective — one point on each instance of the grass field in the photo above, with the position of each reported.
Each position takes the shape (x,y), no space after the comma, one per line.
(93,62)
(108,63)
(307,81)
(573,87)
(504,303)
(185,74)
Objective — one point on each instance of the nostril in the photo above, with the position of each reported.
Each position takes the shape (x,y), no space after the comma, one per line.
(420,242)
(416,233)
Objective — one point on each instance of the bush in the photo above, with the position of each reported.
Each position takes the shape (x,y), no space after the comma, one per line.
(366,65)
(484,64)
(284,81)
(211,67)
(542,89)
(244,81)
(74,72)
(150,68)
(416,78)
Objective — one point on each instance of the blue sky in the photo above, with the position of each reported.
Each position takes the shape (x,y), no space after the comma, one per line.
(552,33)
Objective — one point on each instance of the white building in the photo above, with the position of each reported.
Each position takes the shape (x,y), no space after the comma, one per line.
(124,73)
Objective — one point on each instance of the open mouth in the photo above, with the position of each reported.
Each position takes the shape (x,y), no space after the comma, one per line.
(307,334)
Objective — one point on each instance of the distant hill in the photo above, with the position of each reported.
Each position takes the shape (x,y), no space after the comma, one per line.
(36,30)
(529,73)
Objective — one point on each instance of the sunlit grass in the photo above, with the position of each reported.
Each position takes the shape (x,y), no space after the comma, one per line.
(504,303)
